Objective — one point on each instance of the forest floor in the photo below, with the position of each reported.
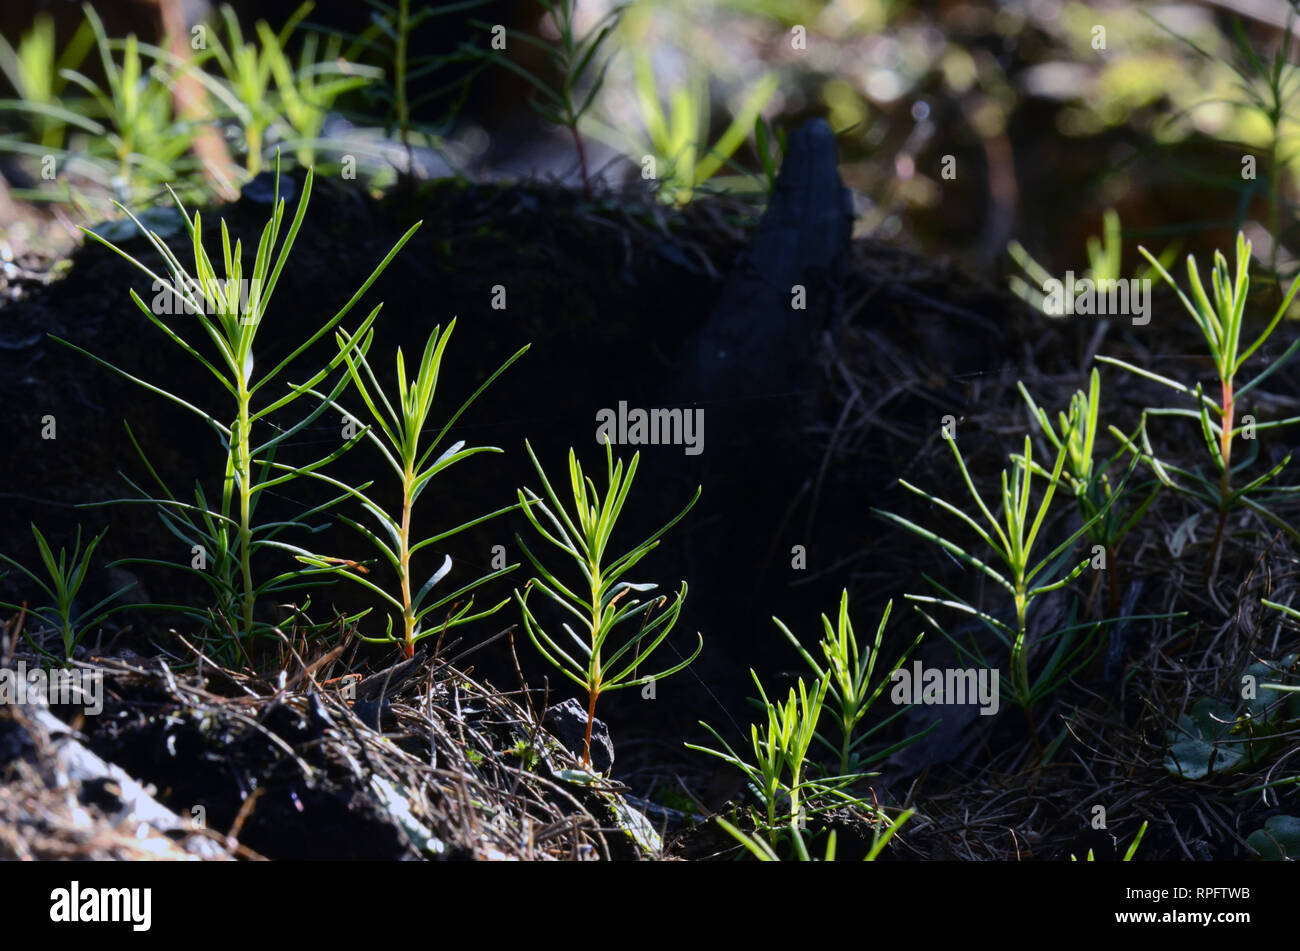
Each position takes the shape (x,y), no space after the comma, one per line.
(337,749)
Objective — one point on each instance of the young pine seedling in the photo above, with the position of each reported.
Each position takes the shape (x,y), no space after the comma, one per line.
(573,58)
(35,70)
(1014,540)
(851,682)
(1265,90)
(398,440)
(678,139)
(1105,263)
(779,772)
(291,110)
(1109,523)
(65,576)
(782,771)
(141,142)
(781,775)
(249,67)
(1220,315)
(230,311)
(584,537)
(308,93)
(402,89)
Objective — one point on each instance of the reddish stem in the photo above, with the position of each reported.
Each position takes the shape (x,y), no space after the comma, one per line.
(1225,480)
(591,717)
(1225,433)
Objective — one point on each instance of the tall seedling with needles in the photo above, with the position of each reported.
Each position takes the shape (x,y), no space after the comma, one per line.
(584,537)
(231,314)
(398,439)
(248,67)
(1014,540)
(142,139)
(578,62)
(1105,260)
(403,88)
(308,93)
(783,774)
(1264,90)
(294,106)
(1220,318)
(36,72)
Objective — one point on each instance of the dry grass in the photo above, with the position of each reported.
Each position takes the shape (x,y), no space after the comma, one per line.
(447,764)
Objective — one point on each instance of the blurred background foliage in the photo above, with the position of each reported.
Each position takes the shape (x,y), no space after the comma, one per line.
(1045,113)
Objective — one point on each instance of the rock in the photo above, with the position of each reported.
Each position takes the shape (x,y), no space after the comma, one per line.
(567,722)
(31,733)
(261,189)
(756,355)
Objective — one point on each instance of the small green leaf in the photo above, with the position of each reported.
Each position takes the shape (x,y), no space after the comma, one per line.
(1278,841)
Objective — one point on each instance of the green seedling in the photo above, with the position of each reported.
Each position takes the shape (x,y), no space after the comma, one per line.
(308,92)
(249,67)
(261,89)
(765,851)
(64,578)
(132,139)
(595,604)
(677,139)
(1265,89)
(1014,540)
(35,70)
(1218,737)
(145,141)
(398,439)
(1089,480)
(230,312)
(1105,262)
(257,85)
(851,683)
(778,773)
(403,87)
(1220,319)
(578,61)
